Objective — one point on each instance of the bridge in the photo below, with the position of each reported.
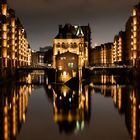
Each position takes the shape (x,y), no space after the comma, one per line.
(93,68)
(34,67)
(117,67)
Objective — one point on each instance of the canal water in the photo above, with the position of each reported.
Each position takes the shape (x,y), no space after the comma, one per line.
(102,109)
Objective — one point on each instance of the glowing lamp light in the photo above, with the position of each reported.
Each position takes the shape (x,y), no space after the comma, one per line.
(60,68)
(64,73)
(69,99)
(134,12)
(60,98)
(49,87)
(65,93)
(139,106)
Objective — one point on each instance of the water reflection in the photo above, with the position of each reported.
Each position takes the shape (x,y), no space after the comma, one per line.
(34,78)
(13,107)
(71,107)
(131,109)
(125,98)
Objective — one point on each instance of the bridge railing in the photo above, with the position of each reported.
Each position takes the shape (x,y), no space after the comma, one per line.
(34,68)
(110,67)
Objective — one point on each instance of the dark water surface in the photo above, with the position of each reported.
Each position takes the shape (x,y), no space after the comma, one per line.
(32,110)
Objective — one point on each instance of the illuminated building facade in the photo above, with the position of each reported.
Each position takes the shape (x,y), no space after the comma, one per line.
(38,58)
(133,37)
(126,45)
(119,49)
(102,55)
(48,58)
(68,63)
(23,48)
(14,48)
(43,57)
(73,39)
(106,52)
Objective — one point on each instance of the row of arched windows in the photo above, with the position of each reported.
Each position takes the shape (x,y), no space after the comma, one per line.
(67,45)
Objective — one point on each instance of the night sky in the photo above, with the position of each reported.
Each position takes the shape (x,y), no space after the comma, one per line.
(42,17)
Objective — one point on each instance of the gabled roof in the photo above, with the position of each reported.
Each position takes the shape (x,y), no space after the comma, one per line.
(79,32)
(70,31)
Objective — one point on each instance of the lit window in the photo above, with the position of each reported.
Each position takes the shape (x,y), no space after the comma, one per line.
(135,28)
(135,21)
(70,65)
(62,58)
(71,45)
(64,73)
(63,45)
(134,12)
(58,45)
(75,45)
(60,68)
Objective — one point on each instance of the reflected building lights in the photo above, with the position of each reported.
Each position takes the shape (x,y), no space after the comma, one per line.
(126,100)
(72,110)
(5,115)
(119,98)
(15,102)
(134,118)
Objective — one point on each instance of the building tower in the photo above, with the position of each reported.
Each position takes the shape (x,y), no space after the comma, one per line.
(71,41)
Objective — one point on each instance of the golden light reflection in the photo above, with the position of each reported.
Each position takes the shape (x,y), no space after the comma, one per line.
(5,115)
(126,100)
(115,95)
(119,98)
(64,76)
(14,110)
(14,115)
(65,90)
(29,79)
(134,124)
(75,108)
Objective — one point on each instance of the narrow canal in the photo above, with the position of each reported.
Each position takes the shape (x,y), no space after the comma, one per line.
(103,109)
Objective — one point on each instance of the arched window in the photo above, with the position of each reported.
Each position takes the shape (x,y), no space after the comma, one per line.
(71,45)
(58,45)
(63,45)
(75,45)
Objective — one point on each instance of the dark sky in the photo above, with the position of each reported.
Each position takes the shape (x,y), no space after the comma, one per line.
(42,17)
